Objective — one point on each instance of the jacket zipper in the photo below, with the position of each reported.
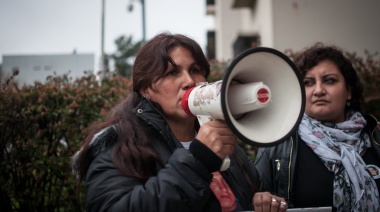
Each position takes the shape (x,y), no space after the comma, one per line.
(290,163)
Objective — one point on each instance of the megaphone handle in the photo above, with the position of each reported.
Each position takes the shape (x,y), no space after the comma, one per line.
(225,164)
(226,161)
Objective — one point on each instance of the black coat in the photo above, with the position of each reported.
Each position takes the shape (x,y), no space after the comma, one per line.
(182,184)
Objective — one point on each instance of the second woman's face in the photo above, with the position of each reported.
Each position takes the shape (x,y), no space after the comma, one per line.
(326,93)
(170,88)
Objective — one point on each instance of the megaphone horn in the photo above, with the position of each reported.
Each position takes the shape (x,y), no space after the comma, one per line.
(261,97)
(206,99)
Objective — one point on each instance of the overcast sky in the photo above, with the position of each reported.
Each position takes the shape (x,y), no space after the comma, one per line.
(61,26)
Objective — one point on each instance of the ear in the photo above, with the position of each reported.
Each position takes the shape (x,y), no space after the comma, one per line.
(349,95)
(145,93)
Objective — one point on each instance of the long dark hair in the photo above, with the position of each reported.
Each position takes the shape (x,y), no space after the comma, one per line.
(133,153)
(319,52)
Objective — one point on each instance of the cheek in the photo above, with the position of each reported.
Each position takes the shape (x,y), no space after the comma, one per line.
(308,94)
(200,78)
(341,99)
(339,94)
(160,95)
(163,88)
(212,185)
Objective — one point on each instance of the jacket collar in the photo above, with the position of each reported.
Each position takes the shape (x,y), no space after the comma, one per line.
(374,132)
(149,113)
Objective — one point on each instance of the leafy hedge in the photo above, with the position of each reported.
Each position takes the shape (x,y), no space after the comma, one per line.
(43,125)
(368,70)
(41,128)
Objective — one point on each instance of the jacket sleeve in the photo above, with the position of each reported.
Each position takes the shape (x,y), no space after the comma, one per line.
(182,185)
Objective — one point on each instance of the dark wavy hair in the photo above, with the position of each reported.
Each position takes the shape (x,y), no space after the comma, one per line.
(310,57)
(153,59)
(133,153)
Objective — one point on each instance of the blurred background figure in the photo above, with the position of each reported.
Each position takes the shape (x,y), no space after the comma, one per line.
(326,162)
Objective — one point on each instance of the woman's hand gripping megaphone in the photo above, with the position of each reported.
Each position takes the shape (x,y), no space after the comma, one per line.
(219,138)
(204,102)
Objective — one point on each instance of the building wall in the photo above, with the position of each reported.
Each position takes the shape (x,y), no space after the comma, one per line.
(295,24)
(227,26)
(37,67)
(350,24)
(232,22)
(261,22)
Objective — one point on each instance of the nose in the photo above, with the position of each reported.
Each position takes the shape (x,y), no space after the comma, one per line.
(319,89)
(224,186)
(187,80)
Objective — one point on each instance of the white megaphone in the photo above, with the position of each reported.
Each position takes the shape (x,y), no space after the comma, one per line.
(261,98)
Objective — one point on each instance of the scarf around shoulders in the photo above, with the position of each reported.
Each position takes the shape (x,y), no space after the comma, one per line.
(339,147)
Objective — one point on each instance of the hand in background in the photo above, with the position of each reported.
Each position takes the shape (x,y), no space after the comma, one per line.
(265,201)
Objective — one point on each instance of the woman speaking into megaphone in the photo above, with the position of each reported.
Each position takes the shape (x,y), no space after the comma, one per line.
(150,155)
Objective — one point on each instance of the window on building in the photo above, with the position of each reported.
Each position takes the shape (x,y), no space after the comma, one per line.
(211,45)
(243,43)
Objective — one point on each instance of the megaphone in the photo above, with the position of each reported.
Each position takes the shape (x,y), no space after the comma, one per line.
(261,97)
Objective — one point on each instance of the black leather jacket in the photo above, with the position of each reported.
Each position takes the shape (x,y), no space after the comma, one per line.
(182,184)
(281,160)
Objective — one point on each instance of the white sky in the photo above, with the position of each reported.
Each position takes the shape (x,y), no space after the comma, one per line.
(60,26)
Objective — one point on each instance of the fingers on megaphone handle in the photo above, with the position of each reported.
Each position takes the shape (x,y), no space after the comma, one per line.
(218,138)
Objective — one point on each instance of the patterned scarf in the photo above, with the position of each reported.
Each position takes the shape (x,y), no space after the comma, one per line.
(339,146)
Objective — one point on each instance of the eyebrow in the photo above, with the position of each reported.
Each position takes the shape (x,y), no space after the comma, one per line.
(329,75)
(326,75)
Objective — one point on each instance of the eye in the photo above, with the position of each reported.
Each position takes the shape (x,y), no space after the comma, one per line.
(308,82)
(172,72)
(330,80)
(195,70)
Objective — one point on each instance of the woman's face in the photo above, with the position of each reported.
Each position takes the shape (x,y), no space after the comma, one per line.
(326,93)
(223,192)
(170,88)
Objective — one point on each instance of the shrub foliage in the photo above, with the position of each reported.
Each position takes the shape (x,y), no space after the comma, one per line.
(42,126)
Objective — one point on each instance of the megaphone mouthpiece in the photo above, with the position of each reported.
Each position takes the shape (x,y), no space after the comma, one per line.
(185,100)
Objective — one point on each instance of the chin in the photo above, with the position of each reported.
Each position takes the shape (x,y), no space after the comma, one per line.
(319,113)
(326,118)
(188,117)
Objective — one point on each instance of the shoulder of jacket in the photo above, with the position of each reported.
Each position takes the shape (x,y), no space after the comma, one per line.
(106,134)
(374,129)
(371,120)
(283,146)
(102,141)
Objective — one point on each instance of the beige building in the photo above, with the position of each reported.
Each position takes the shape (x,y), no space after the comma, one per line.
(34,68)
(292,24)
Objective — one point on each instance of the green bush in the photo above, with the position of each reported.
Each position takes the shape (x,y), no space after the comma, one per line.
(42,126)
(369,73)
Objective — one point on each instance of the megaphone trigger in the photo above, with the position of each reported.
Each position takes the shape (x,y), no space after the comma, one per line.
(203,119)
